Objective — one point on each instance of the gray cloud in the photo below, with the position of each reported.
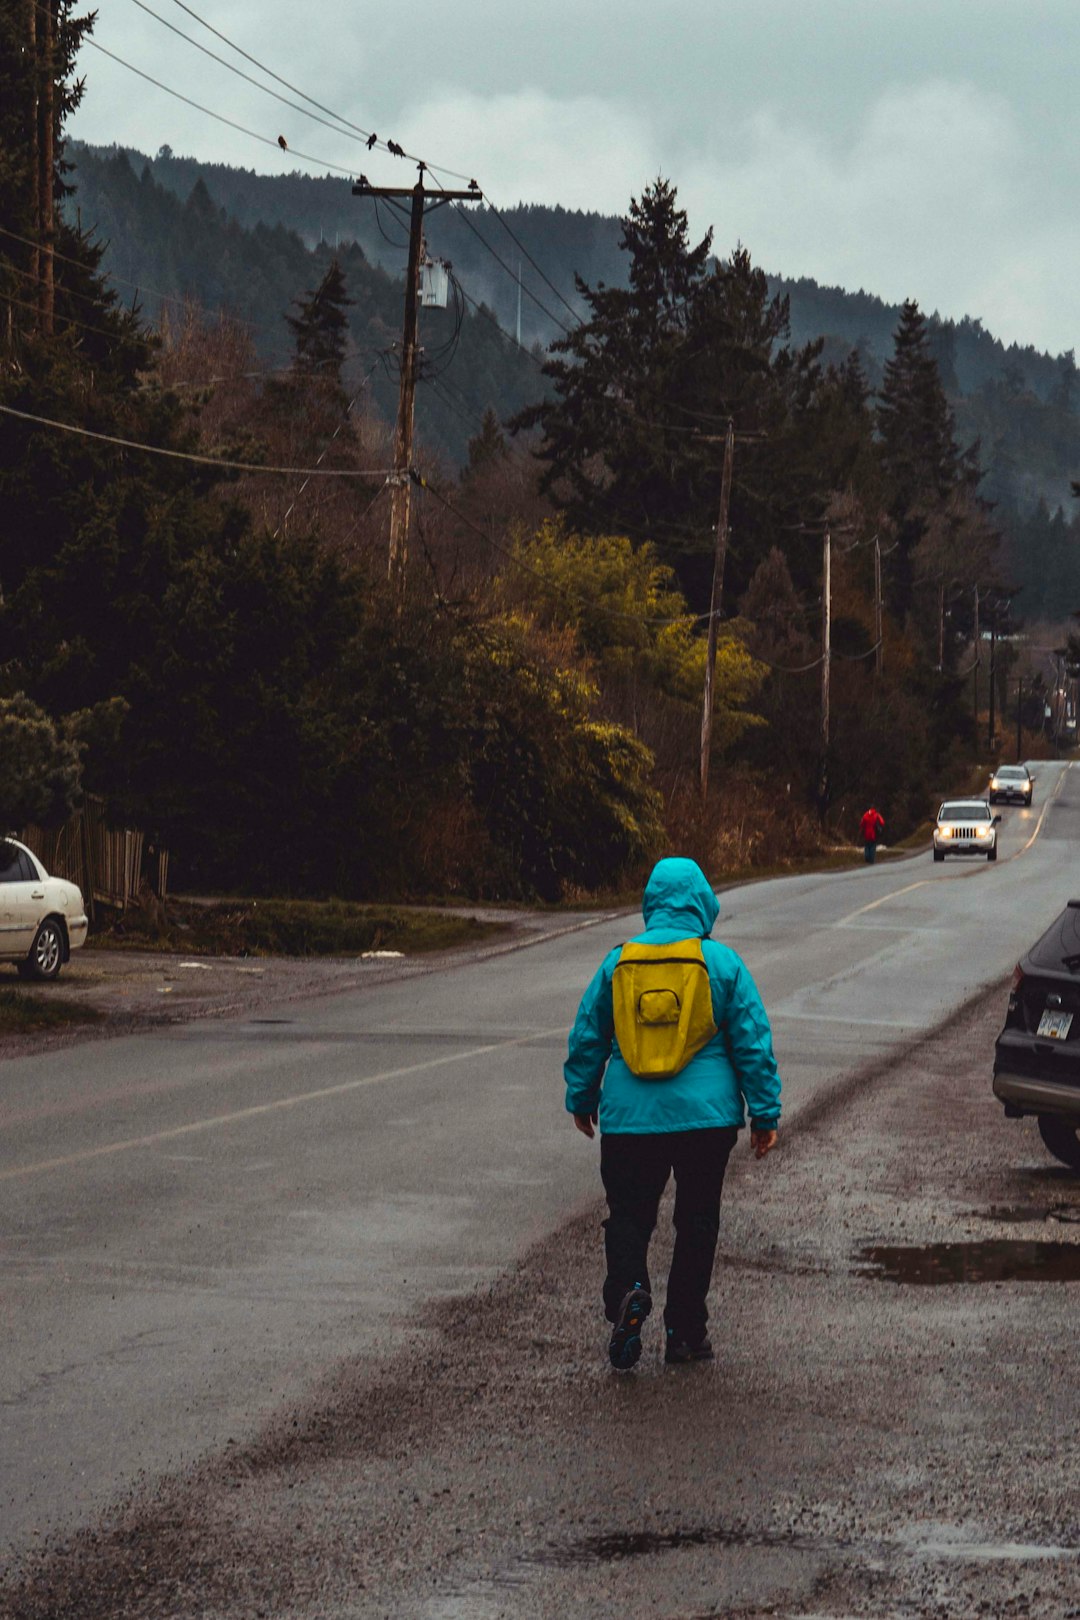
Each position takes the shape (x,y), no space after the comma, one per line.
(922,147)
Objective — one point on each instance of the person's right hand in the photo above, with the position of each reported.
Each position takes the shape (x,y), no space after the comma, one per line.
(585,1123)
(762,1142)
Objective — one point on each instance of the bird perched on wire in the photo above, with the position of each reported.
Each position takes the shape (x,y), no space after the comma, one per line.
(372,138)
(283,143)
(395,149)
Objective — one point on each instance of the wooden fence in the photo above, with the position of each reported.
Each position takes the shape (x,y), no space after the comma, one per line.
(110,864)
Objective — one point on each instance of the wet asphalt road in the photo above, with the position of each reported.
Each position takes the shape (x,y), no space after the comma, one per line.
(223,1243)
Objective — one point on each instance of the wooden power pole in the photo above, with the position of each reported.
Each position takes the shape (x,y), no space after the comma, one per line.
(423,202)
(879,650)
(719,562)
(826,666)
(45,149)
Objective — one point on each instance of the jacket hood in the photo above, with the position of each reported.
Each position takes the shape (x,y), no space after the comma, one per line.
(678,895)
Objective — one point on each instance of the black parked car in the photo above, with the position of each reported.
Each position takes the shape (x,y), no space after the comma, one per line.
(1013,783)
(1037,1057)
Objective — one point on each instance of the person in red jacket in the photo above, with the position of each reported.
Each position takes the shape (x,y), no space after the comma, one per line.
(873,825)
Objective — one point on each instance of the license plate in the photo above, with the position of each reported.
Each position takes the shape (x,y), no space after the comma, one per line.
(1056,1025)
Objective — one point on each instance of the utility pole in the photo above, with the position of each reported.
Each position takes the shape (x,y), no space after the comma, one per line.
(991,727)
(975,668)
(42,43)
(879,654)
(1019,722)
(826,666)
(719,561)
(423,202)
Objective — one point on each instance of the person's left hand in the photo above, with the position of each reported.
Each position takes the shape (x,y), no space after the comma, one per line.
(762,1142)
(585,1123)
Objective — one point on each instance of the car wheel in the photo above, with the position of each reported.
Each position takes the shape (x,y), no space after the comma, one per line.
(939,854)
(1059,1135)
(1027,801)
(991,854)
(47,952)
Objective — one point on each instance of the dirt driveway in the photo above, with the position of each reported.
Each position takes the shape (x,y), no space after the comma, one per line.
(131,990)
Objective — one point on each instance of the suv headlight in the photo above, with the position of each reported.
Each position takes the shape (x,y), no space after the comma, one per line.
(944,832)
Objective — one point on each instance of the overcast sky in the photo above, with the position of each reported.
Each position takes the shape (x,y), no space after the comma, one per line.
(923,148)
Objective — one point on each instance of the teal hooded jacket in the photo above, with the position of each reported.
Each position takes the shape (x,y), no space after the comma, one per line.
(737,1066)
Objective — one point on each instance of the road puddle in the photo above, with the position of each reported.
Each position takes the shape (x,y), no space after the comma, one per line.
(1066,1214)
(991,1261)
(922,1543)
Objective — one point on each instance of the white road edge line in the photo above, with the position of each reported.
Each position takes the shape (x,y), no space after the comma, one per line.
(896,893)
(893,895)
(278,1105)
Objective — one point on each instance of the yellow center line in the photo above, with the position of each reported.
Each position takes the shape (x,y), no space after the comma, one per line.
(277,1106)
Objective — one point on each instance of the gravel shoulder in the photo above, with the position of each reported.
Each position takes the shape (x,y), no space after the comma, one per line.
(858,1448)
(135,990)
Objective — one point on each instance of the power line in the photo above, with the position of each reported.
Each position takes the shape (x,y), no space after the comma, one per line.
(367,134)
(219,117)
(232,68)
(186,455)
(542,274)
(568,595)
(326,448)
(84,326)
(182,300)
(502,262)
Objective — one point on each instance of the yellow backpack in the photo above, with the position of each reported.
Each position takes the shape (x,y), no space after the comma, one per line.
(663,1007)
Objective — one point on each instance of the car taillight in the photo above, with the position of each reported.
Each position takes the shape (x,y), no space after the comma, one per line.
(1017,978)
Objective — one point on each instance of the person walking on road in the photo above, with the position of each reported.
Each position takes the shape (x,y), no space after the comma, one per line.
(670,1041)
(873,825)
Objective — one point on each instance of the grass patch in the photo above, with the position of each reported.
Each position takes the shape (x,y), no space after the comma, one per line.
(292,928)
(22,1014)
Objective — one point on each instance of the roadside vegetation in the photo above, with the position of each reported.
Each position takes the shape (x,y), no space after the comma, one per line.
(289,928)
(216,650)
(23,1013)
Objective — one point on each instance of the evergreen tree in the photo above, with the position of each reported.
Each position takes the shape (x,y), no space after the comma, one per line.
(488,447)
(633,437)
(320,328)
(919,455)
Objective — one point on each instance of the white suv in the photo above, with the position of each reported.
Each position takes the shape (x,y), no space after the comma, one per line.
(42,918)
(966,827)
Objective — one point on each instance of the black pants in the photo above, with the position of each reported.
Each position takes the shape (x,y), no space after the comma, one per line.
(635,1171)
(870,852)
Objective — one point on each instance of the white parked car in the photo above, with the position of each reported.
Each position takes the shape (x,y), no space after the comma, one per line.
(966,827)
(42,918)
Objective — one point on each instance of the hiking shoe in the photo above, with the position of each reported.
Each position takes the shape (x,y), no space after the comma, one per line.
(625,1345)
(679,1351)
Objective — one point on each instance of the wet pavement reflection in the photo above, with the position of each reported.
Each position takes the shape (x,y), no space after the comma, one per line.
(993,1261)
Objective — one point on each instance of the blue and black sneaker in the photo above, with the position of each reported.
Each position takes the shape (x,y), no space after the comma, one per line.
(678,1350)
(625,1345)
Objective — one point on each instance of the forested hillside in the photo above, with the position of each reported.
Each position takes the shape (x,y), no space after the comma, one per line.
(162,220)
(157,244)
(200,503)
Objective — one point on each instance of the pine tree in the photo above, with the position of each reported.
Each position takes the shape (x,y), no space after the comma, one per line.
(633,437)
(320,328)
(918,452)
(915,424)
(488,447)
